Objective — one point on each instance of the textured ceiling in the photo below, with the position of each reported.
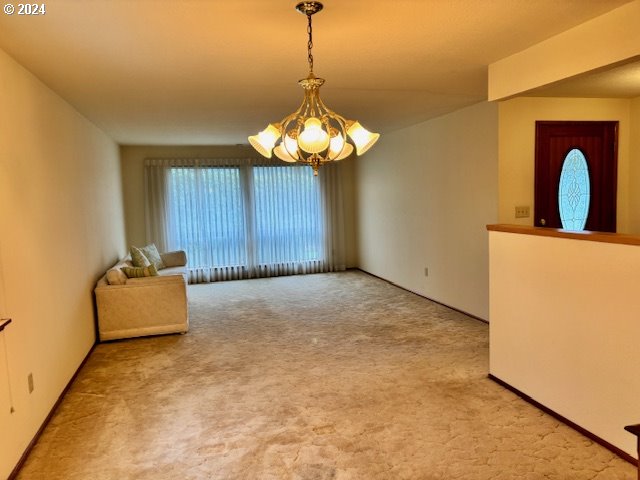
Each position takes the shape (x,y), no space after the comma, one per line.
(214,71)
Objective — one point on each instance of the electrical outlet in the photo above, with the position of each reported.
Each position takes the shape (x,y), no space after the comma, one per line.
(522,212)
(426,271)
(30,382)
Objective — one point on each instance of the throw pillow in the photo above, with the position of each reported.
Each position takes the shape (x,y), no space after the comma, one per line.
(115,276)
(138,272)
(138,258)
(152,254)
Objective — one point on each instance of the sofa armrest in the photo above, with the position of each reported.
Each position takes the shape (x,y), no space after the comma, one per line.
(142,282)
(177,258)
(155,280)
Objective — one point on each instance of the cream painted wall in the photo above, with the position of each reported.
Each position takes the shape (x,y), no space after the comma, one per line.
(62,225)
(564,328)
(634,168)
(132,159)
(517,119)
(425,195)
(605,40)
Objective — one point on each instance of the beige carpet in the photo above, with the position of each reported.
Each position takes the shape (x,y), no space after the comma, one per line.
(332,376)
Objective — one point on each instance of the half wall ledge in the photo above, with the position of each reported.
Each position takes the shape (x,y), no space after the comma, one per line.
(604,237)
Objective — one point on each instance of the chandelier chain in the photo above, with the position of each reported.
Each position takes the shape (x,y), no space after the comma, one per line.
(310,43)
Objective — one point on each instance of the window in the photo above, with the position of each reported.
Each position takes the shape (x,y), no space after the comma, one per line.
(574,192)
(287,215)
(242,220)
(206,215)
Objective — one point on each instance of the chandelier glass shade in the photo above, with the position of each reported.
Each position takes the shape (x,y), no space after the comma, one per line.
(313,134)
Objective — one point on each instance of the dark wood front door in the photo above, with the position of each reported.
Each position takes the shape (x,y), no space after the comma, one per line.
(598,142)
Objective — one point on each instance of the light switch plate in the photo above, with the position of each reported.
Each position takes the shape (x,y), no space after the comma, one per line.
(522,211)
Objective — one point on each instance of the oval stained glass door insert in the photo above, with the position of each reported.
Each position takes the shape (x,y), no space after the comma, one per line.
(574,192)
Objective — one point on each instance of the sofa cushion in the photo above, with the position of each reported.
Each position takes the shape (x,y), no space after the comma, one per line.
(175,271)
(138,257)
(137,272)
(152,254)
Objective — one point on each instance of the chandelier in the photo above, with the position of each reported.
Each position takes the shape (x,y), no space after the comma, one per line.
(313,134)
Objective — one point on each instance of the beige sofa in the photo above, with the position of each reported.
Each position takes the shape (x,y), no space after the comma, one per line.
(134,307)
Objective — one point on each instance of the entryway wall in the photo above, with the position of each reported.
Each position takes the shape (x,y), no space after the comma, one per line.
(634,167)
(516,126)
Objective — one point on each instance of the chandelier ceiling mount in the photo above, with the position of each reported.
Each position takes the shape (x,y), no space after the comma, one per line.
(309,8)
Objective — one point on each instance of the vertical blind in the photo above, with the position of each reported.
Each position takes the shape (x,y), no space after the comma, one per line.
(245,218)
